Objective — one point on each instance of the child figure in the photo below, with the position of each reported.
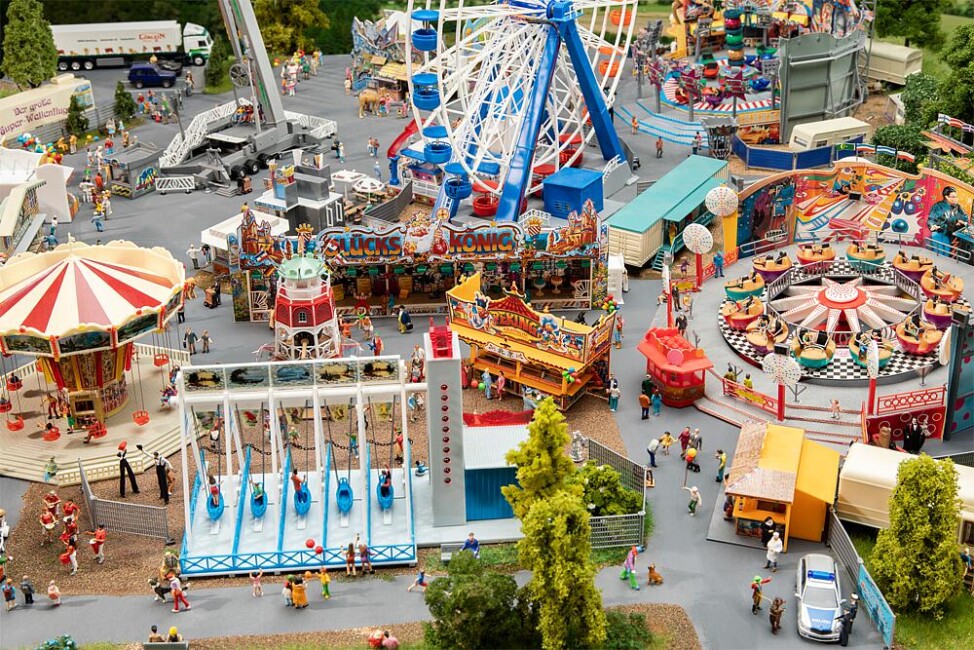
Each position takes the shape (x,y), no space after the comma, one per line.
(420,581)
(9,594)
(258,589)
(325,580)
(350,560)
(629,569)
(54,594)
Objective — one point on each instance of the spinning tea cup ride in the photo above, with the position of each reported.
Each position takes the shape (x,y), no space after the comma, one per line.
(940,313)
(771,268)
(764,334)
(815,253)
(865,258)
(741,313)
(918,340)
(945,286)
(912,267)
(749,285)
(885,350)
(813,349)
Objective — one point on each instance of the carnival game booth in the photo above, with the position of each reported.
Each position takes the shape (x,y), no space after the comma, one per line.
(676,366)
(536,351)
(418,261)
(776,472)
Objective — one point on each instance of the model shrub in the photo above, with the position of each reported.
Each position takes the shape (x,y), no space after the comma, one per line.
(76,122)
(29,54)
(125,106)
(603,492)
(626,632)
(915,561)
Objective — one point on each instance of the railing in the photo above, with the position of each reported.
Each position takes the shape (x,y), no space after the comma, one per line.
(633,475)
(175,184)
(318,127)
(911,401)
(950,250)
(613,531)
(125,517)
(425,188)
(176,357)
(965,458)
(195,133)
(743,393)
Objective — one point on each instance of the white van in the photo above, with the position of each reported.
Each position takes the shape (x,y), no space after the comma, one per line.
(827,133)
(892,63)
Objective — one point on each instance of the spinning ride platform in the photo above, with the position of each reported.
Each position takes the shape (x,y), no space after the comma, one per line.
(834,297)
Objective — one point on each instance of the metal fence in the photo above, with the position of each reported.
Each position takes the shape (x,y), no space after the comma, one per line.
(965,458)
(122,517)
(97,117)
(872,599)
(612,531)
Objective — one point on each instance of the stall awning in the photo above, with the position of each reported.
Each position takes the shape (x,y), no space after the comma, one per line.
(530,353)
(395,71)
(818,471)
(691,201)
(379,60)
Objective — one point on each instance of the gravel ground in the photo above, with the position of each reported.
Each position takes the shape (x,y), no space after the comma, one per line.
(132,559)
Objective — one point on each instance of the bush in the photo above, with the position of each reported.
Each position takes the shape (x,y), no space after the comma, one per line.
(218,65)
(626,632)
(61,643)
(125,106)
(603,493)
(76,122)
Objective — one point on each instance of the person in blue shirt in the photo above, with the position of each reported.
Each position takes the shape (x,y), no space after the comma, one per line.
(718,265)
(471,545)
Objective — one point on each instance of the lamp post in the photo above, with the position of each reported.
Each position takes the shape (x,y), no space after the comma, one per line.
(784,371)
(698,241)
(872,368)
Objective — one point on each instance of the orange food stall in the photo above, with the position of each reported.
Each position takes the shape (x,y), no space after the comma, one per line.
(777,472)
(537,351)
(676,366)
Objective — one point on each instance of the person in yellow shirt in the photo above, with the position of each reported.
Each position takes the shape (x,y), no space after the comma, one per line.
(325,580)
(665,442)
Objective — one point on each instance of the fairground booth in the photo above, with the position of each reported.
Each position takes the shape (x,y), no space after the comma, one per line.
(558,263)
(776,472)
(537,351)
(677,367)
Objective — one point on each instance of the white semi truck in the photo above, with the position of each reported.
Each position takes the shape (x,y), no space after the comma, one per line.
(94,45)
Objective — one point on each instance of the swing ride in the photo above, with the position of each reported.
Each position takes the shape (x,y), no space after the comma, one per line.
(79,311)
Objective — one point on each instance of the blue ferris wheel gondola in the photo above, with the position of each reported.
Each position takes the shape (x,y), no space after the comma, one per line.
(343,495)
(385,501)
(215,511)
(302,500)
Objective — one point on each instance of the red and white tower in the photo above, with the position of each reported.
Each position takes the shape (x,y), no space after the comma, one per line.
(306,325)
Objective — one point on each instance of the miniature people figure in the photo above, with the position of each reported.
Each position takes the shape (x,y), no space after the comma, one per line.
(54,594)
(193,254)
(644,403)
(635,125)
(614,394)
(576,449)
(629,569)
(617,333)
(774,547)
(52,502)
(666,441)
(189,341)
(154,636)
(695,499)
(767,530)
(163,469)
(691,459)
(98,542)
(659,147)
(835,409)
(697,143)
(681,324)
(365,557)
(756,596)
(748,382)
(27,588)
(651,450)
(215,491)
(420,581)
(287,591)
(777,610)
(299,594)
(488,383)
(420,468)
(73,143)
(501,382)
(405,320)
(206,340)
(325,580)
(48,522)
(684,438)
(50,470)
(350,560)
(657,400)
(376,345)
(847,618)
(471,544)
(9,594)
(70,555)
(123,469)
(721,464)
(178,595)
(696,440)
(97,218)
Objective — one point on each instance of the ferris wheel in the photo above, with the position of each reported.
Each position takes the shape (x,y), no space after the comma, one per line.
(505,94)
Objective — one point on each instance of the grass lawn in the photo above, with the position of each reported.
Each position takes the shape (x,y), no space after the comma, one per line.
(223,87)
(931,60)
(913,631)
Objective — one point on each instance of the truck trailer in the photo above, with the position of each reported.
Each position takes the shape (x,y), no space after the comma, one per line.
(103,45)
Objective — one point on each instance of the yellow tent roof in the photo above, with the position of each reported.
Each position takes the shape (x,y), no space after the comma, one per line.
(818,471)
(393,70)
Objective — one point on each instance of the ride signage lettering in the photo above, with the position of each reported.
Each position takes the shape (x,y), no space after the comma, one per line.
(420,241)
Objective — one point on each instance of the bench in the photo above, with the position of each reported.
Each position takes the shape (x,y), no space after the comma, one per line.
(168,645)
(447,551)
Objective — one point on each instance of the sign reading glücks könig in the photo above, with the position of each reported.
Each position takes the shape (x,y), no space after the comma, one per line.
(25,111)
(421,240)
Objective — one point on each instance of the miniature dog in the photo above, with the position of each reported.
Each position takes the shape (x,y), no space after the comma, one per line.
(654,577)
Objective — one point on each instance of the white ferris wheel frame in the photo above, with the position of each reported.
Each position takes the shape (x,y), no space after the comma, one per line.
(463,70)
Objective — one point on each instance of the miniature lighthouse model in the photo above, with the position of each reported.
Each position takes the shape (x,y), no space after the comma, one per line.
(306,325)
(446,431)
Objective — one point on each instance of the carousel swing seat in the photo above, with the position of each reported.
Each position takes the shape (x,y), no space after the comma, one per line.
(258,508)
(343,496)
(913,268)
(97,430)
(385,500)
(160,359)
(215,511)
(15,383)
(52,434)
(5,405)
(302,500)
(16,423)
(141,418)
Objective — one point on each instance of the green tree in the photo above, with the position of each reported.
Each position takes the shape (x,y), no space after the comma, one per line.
(917,21)
(905,137)
(218,65)
(603,492)
(475,608)
(125,106)
(337,37)
(957,88)
(920,98)
(29,55)
(557,550)
(542,466)
(285,24)
(915,560)
(76,122)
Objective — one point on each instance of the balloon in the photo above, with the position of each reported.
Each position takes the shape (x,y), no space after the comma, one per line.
(319,549)
(481,386)
(474,383)
(310,543)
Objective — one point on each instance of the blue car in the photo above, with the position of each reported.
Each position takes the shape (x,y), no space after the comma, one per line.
(819,598)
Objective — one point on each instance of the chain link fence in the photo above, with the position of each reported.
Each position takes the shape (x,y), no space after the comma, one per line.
(122,517)
(613,531)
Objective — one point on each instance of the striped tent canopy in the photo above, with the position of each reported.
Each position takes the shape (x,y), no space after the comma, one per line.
(78,290)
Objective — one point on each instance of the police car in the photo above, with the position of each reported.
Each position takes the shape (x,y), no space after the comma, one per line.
(819,598)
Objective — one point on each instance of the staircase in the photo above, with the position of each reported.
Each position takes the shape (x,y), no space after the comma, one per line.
(227,190)
(704,219)
(662,126)
(180,148)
